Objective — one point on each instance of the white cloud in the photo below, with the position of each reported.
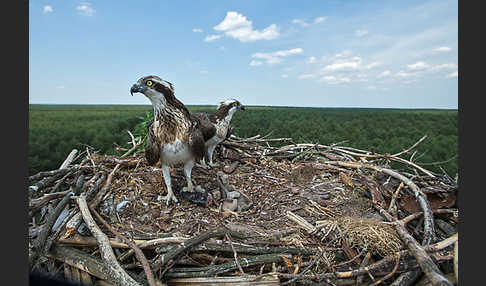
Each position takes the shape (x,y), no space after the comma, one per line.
(254,63)
(300,22)
(85,9)
(284,76)
(403,74)
(60,87)
(276,57)
(372,65)
(453,74)
(447,66)
(361,33)
(384,74)
(347,64)
(442,49)
(237,26)
(311,60)
(197,30)
(210,38)
(335,80)
(418,66)
(343,54)
(320,19)
(47,9)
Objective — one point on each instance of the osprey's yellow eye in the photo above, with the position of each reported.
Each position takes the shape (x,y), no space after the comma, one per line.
(149,83)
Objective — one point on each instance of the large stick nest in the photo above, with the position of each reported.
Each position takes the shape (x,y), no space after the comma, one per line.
(311,197)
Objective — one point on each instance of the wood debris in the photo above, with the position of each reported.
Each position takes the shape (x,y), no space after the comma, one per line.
(280,214)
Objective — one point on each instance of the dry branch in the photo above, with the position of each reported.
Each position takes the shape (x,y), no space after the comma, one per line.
(179,249)
(74,223)
(210,271)
(117,274)
(140,256)
(427,265)
(69,159)
(42,237)
(80,260)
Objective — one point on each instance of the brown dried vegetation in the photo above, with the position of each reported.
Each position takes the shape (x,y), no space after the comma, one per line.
(316,213)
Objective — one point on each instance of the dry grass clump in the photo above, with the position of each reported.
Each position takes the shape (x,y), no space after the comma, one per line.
(378,237)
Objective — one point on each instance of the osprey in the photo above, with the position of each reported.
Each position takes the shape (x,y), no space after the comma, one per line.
(174,136)
(215,126)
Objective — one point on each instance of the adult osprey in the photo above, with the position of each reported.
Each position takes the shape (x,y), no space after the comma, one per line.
(215,126)
(174,136)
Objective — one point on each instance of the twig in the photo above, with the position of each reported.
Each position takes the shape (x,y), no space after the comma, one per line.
(138,253)
(210,271)
(364,262)
(89,157)
(426,263)
(391,207)
(47,180)
(133,138)
(389,274)
(135,146)
(179,249)
(235,255)
(411,147)
(69,159)
(44,174)
(407,278)
(117,274)
(313,263)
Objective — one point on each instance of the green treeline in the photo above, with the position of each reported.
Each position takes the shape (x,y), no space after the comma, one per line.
(54,130)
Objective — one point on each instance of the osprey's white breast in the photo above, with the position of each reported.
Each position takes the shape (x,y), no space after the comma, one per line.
(175,153)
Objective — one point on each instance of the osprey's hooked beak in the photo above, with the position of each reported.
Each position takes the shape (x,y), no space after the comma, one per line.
(137,88)
(242,107)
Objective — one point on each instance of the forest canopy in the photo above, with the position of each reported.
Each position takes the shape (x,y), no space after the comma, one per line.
(54,130)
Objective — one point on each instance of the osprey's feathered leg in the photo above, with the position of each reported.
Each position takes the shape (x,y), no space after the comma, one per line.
(170,195)
(210,154)
(187,171)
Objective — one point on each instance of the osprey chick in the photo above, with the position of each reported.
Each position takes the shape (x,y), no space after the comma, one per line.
(215,126)
(174,135)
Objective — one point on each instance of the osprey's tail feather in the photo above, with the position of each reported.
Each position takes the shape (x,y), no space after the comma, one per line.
(196,142)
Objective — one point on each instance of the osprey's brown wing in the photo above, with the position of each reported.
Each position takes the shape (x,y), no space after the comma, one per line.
(207,128)
(152,149)
(196,140)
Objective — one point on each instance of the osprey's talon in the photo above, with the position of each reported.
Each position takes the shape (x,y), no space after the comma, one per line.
(171,198)
(168,198)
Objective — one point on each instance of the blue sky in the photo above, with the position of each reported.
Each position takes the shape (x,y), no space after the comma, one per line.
(397,54)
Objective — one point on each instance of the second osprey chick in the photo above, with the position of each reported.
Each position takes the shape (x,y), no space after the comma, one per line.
(215,126)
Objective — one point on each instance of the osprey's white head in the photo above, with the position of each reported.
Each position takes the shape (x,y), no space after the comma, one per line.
(157,90)
(231,105)
(161,94)
(227,108)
